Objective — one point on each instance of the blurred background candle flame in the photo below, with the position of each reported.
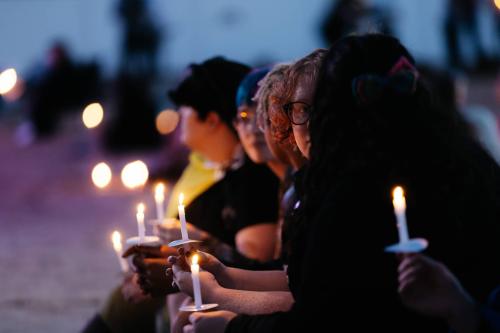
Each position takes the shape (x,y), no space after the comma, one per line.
(116,238)
(92,115)
(135,174)
(8,80)
(101,175)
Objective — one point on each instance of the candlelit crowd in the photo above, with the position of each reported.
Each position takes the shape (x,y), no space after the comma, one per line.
(289,188)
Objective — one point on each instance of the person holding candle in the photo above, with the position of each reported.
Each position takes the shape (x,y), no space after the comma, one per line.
(373,126)
(240,209)
(243,202)
(265,292)
(251,137)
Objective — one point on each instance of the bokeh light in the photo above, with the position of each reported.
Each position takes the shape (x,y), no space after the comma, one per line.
(8,79)
(166,121)
(135,174)
(101,175)
(116,238)
(92,115)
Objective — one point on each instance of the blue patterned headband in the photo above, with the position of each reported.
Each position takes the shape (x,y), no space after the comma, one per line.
(401,79)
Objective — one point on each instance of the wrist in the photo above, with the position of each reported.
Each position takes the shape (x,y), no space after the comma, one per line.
(223,276)
(214,294)
(464,315)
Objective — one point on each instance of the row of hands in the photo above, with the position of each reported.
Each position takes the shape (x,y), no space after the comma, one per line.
(157,277)
(425,285)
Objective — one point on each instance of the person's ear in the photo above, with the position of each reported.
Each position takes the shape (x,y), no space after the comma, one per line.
(213,119)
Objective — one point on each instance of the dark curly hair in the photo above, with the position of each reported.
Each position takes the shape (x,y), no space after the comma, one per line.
(347,136)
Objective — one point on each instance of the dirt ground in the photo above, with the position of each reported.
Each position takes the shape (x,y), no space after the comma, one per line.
(56,260)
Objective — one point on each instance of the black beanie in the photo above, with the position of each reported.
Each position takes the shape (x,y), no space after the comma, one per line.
(211,86)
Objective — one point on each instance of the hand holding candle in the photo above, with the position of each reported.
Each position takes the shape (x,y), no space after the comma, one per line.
(116,238)
(160,199)
(399,203)
(140,222)
(180,274)
(405,244)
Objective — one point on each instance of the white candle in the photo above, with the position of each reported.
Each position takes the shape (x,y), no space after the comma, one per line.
(140,222)
(160,199)
(182,217)
(195,275)
(399,203)
(116,238)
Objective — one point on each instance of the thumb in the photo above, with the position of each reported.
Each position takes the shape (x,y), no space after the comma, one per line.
(195,317)
(188,329)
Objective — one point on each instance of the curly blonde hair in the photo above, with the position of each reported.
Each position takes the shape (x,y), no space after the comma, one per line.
(271,87)
(278,87)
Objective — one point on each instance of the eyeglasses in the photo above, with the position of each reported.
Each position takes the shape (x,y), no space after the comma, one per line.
(297,112)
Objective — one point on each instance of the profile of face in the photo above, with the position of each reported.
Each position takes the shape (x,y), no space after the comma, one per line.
(252,139)
(193,129)
(298,113)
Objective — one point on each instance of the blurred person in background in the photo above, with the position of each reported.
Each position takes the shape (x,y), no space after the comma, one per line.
(141,38)
(462,16)
(133,127)
(354,16)
(450,93)
(58,85)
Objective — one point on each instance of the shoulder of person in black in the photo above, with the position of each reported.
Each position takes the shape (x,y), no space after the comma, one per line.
(245,196)
(291,206)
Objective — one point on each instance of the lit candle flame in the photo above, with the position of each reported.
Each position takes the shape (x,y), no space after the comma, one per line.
(181,199)
(399,200)
(92,115)
(116,238)
(134,174)
(160,192)
(194,260)
(8,79)
(101,175)
(497,4)
(140,208)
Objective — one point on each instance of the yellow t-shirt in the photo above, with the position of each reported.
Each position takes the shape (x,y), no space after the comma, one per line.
(196,178)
